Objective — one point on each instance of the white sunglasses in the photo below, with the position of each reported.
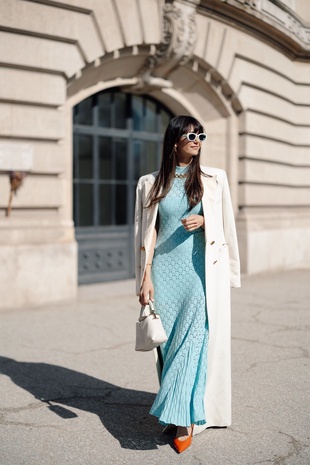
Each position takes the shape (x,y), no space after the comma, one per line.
(191,136)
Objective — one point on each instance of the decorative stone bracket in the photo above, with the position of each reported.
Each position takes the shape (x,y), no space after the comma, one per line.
(176,47)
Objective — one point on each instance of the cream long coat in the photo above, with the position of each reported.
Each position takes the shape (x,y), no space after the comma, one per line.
(222,271)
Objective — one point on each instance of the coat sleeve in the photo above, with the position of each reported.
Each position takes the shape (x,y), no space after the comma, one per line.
(231,235)
(138,235)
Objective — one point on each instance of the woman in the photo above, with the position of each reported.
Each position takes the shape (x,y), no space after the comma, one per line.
(186,259)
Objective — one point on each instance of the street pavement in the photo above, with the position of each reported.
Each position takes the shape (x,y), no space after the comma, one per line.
(74,391)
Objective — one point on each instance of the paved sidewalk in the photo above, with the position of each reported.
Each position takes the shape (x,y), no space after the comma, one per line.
(74,391)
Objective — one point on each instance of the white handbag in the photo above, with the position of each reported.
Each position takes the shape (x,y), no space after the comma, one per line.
(150,332)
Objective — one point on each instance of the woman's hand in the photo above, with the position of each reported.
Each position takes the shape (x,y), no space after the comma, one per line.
(146,291)
(193,222)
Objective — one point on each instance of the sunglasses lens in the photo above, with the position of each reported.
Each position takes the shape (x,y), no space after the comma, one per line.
(202,137)
(191,136)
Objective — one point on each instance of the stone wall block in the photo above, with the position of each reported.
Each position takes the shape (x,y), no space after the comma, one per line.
(42,54)
(36,192)
(31,87)
(303,10)
(36,227)
(215,150)
(106,18)
(37,275)
(302,72)
(150,21)
(268,127)
(288,246)
(236,42)
(129,18)
(95,23)
(273,173)
(31,122)
(215,43)
(262,195)
(88,39)
(203,25)
(47,20)
(271,150)
(47,157)
(227,45)
(219,45)
(274,80)
(259,100)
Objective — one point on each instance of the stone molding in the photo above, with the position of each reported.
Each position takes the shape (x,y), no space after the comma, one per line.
(270,19)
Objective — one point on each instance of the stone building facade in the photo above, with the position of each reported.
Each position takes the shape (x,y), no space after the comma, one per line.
(86,87)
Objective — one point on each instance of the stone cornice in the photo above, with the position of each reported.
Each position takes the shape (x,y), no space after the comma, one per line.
(271,20)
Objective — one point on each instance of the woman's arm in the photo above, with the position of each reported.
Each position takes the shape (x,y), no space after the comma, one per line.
(147,288)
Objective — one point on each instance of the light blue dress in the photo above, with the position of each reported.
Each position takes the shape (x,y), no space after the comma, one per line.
(178,274)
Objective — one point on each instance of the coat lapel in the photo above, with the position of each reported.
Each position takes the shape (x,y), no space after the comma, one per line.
(209,187)
(151,213)
(209,190)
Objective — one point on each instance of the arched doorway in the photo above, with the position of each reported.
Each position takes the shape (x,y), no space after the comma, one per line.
(116,139)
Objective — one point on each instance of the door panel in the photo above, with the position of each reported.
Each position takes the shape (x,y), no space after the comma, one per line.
(103,256)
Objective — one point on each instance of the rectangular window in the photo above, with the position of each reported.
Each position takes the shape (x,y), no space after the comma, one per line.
(120,110)
(137,113)
(105,158)
(150,116)
(120,159)
(150,161)
(104,110)
(145,158)
(85,206)
(105,205)
(84,164)
(137,149)
(164,120)
(120,204)
(83,112)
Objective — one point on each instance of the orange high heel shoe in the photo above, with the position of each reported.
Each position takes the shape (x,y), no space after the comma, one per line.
(182,445)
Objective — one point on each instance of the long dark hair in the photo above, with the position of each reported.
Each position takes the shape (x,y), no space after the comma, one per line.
(193,186)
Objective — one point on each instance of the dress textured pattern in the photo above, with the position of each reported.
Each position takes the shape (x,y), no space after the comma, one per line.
(178,274)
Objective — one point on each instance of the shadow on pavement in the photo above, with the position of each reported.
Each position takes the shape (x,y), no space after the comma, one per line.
(123,412)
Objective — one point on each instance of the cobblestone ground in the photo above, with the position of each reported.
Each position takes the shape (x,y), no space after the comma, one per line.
(74,391)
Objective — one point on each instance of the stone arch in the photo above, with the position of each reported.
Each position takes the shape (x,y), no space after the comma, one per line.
(195,88)
(173,66)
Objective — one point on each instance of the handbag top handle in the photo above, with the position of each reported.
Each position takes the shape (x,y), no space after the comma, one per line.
(151,312)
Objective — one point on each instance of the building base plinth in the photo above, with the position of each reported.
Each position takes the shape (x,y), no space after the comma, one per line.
(37,274)
(272,244)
